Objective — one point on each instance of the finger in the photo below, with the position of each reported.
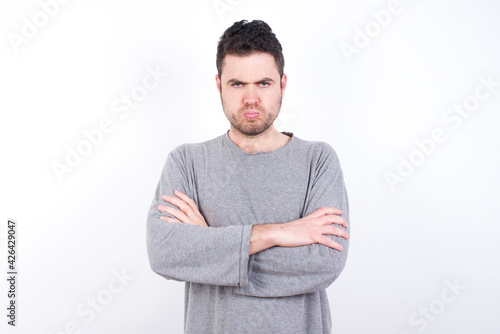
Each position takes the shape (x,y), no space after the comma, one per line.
(183,206)
(334,219)
(176,213)
(324,240)
(326,211)
(332,230)
(194,213)
(189,201)
(186,209)
(170,220)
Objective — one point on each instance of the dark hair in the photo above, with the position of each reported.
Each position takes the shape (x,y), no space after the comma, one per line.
(244,38)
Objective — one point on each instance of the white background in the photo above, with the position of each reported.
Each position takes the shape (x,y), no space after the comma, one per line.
(439,224)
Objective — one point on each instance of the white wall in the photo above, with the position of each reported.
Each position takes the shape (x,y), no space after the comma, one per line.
(437,225)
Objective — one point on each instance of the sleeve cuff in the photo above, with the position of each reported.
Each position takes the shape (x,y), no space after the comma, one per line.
(245,259)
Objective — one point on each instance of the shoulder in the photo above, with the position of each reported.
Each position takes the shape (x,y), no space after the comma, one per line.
(189,151)
(319,151)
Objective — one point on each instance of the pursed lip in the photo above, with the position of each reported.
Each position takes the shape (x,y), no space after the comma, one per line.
(251,114)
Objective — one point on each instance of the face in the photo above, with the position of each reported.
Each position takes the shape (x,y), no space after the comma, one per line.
(250,92)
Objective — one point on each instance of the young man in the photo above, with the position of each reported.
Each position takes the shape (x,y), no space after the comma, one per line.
(254,221)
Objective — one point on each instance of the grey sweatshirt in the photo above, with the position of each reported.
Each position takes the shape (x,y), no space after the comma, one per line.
(278,290)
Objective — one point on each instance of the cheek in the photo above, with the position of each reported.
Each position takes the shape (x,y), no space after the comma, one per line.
(231,97)
(270,97)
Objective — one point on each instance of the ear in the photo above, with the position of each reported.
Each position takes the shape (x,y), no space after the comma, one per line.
(217,81)
(283,83)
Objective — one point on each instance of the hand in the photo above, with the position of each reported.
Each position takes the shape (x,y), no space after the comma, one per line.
(311,229)
(188,213)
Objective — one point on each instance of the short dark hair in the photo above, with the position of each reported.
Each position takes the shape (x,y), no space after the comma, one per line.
(244,38)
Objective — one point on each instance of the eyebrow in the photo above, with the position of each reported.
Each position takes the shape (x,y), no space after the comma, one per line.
(233,81)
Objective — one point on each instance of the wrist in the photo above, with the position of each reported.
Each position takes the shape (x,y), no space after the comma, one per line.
(263,237)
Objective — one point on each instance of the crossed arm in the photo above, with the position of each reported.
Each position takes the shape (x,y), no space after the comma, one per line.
(311,251)
(308,230)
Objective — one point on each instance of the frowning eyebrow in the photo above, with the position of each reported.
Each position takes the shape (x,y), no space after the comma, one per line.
(236,81)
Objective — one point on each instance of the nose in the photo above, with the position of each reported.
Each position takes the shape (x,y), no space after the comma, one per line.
(251,95)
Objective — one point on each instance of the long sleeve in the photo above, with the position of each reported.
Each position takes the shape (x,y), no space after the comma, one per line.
(286,271)
(183,252)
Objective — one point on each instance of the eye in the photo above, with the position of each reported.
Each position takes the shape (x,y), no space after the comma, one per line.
(237,85)
(264,84)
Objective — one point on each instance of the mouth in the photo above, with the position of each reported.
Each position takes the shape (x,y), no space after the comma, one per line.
(251,114)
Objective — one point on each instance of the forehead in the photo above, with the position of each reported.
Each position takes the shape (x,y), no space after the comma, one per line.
(252,67)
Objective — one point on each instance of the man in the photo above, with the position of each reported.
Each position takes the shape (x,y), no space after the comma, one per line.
(254,221)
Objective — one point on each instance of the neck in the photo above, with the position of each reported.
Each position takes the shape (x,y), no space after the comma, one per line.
(269,140)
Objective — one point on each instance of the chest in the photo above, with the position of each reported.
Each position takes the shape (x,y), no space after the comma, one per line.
(250,192)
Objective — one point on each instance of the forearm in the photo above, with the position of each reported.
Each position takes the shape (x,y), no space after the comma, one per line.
(312,229)
(191,253)
(286,271)
(183,252)
(311,254)
(262,237)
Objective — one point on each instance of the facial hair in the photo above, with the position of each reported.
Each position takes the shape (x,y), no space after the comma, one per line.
(253,127)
